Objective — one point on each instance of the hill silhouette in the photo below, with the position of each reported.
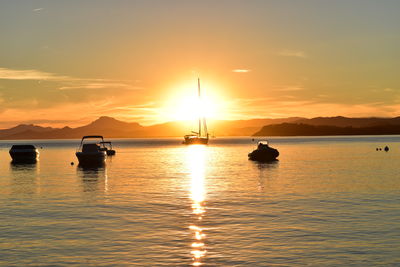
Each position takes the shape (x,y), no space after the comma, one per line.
(340,121)
(300,129)
(113,128)
(106,126)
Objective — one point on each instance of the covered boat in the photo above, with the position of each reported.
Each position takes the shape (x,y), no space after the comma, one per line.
(91,153)
(107,146)
(264,152)
(24,153)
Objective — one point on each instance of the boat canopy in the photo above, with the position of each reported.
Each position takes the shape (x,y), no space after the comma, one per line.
(263,142)
(23,147)
(104,143)
(93,136)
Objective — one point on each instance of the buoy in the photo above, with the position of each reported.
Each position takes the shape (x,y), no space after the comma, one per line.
(377,149)
(386,148)
(72,163)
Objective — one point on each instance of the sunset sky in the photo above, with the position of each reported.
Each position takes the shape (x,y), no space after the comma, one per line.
(69,62)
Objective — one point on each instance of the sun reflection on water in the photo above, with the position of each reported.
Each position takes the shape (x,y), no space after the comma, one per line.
(196,157)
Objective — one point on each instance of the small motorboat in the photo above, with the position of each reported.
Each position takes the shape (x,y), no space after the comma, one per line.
(263,152)
(107,146)
(91,153)
(24,153)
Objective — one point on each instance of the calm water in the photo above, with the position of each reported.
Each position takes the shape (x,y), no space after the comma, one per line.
(326,202)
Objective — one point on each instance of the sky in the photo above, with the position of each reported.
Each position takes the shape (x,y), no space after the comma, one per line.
(69,62)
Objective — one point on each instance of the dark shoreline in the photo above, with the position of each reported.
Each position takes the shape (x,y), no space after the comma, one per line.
(294,129)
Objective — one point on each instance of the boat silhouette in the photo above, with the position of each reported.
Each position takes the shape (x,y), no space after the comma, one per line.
(91,153)
(263,153)
(107,146)
(199,137)
(24,153)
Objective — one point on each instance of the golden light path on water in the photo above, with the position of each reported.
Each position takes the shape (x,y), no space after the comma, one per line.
(196,160)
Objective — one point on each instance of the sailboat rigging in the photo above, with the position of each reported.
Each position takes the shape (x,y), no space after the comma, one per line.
(198,137)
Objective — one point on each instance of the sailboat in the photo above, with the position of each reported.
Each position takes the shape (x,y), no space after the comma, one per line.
(200,137)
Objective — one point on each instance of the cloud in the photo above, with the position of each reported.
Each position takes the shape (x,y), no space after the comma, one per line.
(292,53)
(53,96)
(66,82)
(290,88)
(241,70)
(145,106)
(388,90)
(79,113)
(11,74)
(99,85)
(322,95)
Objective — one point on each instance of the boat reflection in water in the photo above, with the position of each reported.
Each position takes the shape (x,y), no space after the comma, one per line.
(93,178)
(267,170)
(196,158)
(25,178)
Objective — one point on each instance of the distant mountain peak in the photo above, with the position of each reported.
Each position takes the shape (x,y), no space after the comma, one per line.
(30,127)
(106,118)
(22,125)
(106,121)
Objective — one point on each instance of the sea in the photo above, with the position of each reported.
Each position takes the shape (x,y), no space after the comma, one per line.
(327,201)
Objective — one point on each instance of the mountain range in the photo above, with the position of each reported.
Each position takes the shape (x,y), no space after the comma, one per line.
(113,128)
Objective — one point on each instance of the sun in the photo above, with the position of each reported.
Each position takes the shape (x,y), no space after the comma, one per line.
(191,108)
(183,104)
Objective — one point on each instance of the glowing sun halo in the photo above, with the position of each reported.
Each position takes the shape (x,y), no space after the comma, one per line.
(184,104)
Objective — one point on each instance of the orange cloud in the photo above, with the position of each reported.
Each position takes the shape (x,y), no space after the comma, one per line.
(292,53)
(241,70)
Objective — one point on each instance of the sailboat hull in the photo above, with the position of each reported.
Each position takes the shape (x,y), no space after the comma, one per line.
(196,141)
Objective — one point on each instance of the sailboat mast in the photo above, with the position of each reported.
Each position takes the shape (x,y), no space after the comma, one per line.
(205,126)
(198,85)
